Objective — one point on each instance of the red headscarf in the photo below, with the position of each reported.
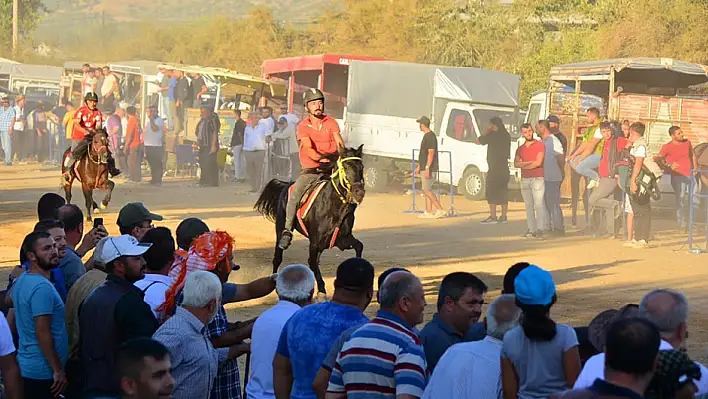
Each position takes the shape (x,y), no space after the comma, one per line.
(206,251)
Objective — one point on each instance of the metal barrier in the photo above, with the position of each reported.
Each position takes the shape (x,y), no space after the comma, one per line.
(691,217)
(272,154)
(452,211)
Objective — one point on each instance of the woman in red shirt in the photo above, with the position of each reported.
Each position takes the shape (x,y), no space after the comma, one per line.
(529,158)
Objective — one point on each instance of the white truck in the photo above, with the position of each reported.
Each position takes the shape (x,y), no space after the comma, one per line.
(386,98)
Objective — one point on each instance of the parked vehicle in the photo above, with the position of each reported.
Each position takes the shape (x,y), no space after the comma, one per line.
(386,98)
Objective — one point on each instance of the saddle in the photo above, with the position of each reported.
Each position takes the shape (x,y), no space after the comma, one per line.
(308,198)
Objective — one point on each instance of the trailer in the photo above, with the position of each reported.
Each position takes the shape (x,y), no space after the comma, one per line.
(386,98)
(660,92)
(138,83)
(327,72)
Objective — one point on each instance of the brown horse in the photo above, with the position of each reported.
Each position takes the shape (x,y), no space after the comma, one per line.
(91,171)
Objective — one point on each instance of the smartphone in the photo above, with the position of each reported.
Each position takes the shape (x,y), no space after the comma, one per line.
(97,222)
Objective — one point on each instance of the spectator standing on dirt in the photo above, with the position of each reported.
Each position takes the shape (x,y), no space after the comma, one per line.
(678,158)
(207,132)
(427,169)
(237,147)
(154,134)
(20,140)
(638,197)
(498,142)
(40,321)
(109,88)
(472,369)
(309,334)
(7,125)
(295,286)
(540,357)
(631,349)
(181,95)
(529,158)
(287,147)
(553,165)
(395,361)
(254,138)
(460,301)
(132,144)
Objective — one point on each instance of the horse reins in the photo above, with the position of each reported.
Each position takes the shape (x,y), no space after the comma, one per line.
(97,161)
(340,176)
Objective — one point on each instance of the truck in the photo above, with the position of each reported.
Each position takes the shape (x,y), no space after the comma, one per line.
(385,99)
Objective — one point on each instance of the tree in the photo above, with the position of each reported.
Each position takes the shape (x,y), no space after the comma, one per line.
(30,13)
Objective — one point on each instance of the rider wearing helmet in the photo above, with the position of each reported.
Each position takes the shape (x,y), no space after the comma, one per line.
(86,118)
(319,136)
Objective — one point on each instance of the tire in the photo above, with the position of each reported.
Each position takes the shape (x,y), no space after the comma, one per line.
(472,184)
(375,176)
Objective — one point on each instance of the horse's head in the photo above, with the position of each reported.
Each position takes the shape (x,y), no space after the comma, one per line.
(349,172)
(99,145)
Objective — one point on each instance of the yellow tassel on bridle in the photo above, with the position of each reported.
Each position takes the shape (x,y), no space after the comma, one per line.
(340,176)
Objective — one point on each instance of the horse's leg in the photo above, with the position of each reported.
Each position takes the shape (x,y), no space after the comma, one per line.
(314,262)
(107,199)
(88,197)
(278,255)
(67,191)
(350,242)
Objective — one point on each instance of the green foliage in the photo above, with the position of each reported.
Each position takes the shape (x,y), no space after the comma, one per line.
(29,14)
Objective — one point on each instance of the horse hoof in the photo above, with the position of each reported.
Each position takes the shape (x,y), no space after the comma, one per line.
(321,297)
(104,206)
(96,210)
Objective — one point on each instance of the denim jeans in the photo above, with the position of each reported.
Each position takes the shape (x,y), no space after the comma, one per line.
(6,141)
(680,185)
(588,165)
(532,191)
(552,196)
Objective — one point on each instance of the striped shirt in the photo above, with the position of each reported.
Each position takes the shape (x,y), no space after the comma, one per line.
(383,358)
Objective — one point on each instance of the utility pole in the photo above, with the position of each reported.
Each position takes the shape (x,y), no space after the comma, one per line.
(15,26)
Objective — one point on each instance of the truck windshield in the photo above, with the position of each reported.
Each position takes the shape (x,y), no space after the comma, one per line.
(507,116)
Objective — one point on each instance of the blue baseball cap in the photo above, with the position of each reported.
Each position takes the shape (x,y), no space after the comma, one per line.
(534,286)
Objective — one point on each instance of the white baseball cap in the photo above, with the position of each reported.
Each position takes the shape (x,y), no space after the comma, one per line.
(125,245)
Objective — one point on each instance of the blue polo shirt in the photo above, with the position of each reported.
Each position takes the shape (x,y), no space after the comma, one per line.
(307,338)
(71,268)
(437,336)
(171,89)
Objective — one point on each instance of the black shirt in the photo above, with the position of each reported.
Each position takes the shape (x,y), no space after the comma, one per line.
(195,88)
(498,148)
(237,136)
(429,142)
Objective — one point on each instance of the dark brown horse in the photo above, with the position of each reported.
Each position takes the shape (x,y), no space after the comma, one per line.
(91,171)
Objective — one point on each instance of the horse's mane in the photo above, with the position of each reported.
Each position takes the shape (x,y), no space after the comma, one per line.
(328,167)
(92,132)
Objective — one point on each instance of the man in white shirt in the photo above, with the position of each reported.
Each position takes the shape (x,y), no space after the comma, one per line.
(286,145)
(8,363)
(154,137)
(109,87)
(158,260)
(254,139)
(295,286)
(473,369)
(668,310)
(20,140)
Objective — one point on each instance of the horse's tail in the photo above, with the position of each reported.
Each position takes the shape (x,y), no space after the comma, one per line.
(267,204)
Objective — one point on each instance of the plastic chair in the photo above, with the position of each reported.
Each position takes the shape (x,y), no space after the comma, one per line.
(185,156)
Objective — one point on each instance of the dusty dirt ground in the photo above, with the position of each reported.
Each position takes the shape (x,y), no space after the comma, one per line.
(591,274)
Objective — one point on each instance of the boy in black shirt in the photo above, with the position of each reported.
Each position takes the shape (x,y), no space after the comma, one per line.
(428,161)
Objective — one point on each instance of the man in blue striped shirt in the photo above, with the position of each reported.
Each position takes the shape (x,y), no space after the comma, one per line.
(385,358)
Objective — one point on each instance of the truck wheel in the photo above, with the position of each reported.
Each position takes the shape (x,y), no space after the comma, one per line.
(472,184)
(375,177)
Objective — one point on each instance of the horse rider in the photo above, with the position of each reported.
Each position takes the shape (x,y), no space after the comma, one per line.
(319,137)
(86,118)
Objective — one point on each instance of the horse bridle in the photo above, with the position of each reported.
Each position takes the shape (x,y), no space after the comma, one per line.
(96,150)
(340,177)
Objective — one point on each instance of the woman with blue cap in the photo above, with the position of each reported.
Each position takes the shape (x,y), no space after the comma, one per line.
(539,357)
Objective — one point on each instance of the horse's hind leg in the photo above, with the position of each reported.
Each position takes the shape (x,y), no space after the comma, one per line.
(88,197)
(107,199)
(314,262)
(67,192)
(279,226)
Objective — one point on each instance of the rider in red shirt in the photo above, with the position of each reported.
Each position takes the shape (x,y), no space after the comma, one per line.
(86,118)
(318,135)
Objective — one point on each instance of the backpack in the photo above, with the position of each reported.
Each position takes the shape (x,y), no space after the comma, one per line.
(616,158)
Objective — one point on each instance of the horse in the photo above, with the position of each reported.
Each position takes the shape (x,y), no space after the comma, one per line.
(91,171)
(325,213)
